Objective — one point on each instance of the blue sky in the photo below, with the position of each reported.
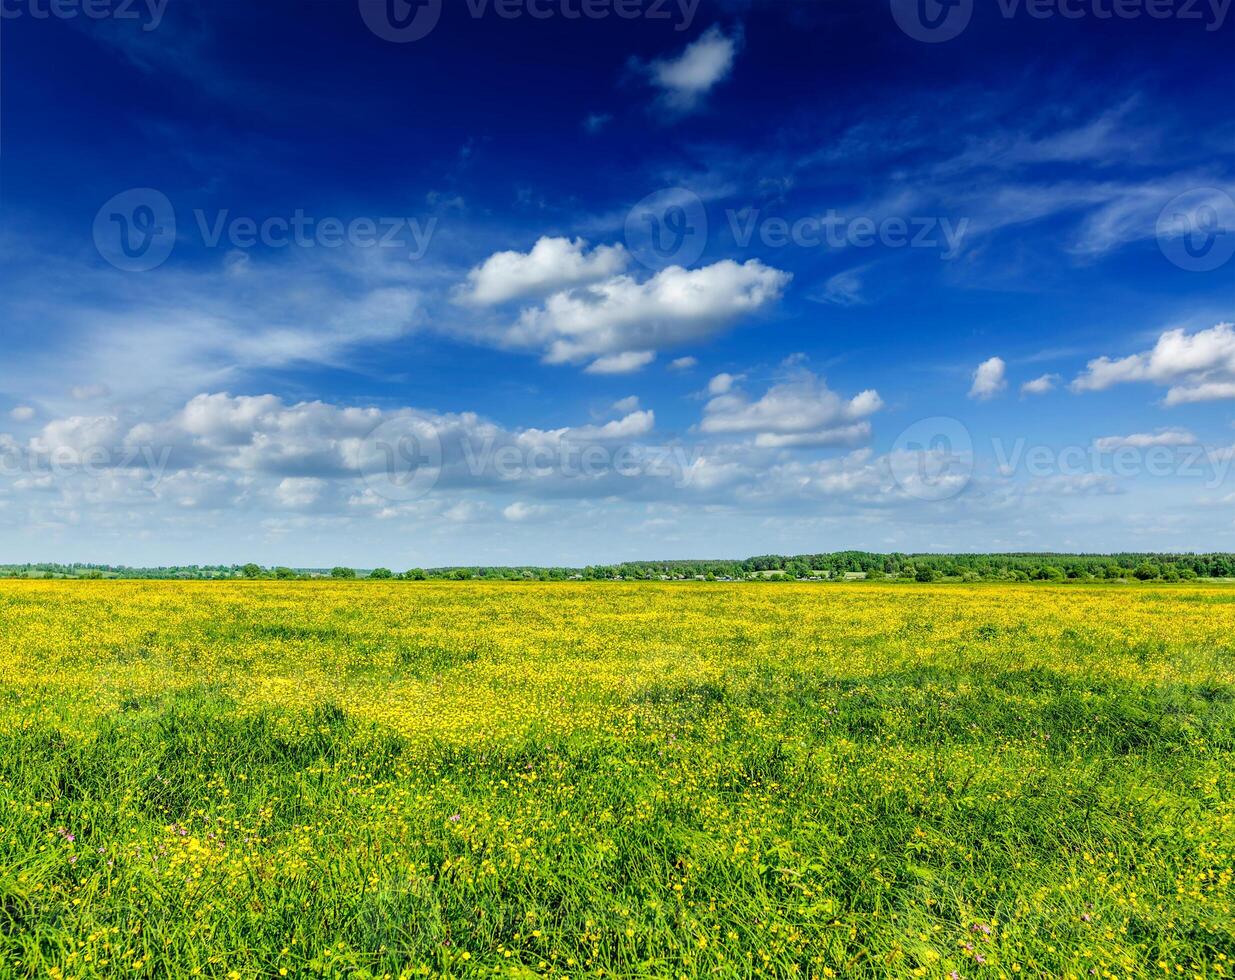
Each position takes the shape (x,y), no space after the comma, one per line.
(556,282)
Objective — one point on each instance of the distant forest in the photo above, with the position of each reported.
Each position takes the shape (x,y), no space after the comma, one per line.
(832,566)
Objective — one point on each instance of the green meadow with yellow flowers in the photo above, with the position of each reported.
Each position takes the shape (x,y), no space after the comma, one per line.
(395,779)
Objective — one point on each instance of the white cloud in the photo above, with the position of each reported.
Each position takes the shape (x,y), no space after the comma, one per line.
(624,363)
(988,379)
(839,435)
(302,445)
(1133,212)
(1145,440)
(722,383)
(1194,367)
(628,427)
(625,405)
(622,315)
(299,491)
(21,413)
(258,473)
(70,438)
(1206,391)
(206,329)
(1040,385)
(553,264)
(800,412)
(465,512)
(685,80)
(519,512)
(683,363)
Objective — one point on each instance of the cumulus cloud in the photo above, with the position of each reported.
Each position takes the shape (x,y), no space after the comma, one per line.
(520,512)
(628,427)
(800,412)
(279,468)
(624,316)
(1145,440)
(1193,367)
(465,512)
(988,379)
(624,363)
(21,413)
(299,491)
(71,437)
(685,79)
(624,405)
(683,363)
(304,455)
(552,264)
(723,383)
(1040,385)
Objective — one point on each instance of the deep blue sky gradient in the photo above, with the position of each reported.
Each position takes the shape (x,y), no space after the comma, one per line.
(266,108)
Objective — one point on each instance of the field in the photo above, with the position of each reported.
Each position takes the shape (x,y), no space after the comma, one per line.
(359,779)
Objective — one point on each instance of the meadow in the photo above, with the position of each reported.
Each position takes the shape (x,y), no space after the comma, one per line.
(395,779)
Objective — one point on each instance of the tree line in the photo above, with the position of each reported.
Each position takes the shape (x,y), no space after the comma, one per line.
(836,565)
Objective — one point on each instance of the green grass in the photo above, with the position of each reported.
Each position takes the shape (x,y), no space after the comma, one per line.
(963,810)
